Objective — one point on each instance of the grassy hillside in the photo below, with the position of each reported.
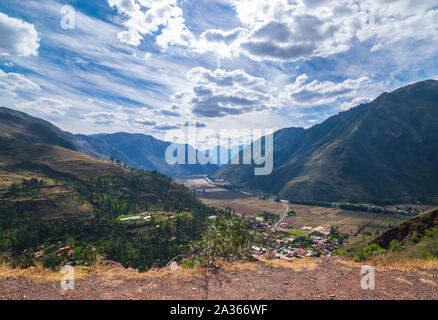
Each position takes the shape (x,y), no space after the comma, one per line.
(414,239)
(411,231)
(60,206)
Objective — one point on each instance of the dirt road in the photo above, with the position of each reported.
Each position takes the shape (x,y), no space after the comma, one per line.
(284,215)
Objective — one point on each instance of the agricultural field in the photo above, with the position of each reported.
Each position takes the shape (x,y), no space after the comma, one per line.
(298,233)
(322,218)
(223,198)
(242,204)
(308,217)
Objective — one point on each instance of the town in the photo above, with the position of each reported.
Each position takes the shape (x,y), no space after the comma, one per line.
(280,242)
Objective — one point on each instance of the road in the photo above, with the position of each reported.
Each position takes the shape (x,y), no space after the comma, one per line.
(286,211)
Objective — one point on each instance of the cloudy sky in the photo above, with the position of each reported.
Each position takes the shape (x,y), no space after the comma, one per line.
(150,66)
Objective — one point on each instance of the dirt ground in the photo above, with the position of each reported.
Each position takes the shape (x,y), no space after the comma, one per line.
(309,279)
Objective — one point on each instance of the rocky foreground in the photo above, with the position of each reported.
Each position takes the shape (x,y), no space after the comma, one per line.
(324,278)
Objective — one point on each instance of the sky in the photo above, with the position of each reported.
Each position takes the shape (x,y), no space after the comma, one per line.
(152,66)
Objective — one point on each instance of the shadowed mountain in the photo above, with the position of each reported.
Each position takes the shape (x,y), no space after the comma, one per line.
(136,150)
(21,126)
(146,152)
(383,150)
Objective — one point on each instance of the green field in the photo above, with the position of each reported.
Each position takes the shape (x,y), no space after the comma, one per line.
(297,232)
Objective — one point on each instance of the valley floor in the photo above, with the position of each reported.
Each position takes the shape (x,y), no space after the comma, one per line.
(309,278)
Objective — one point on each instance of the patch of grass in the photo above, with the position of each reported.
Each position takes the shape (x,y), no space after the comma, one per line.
(188,265)
(297,232)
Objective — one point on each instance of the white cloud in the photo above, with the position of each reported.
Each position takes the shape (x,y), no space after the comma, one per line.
(46,106)
(131,37)
(354,103)
(106,118)
(392,21)
(11,83)
(403,34)
(284,30)
(145,17)
(220,93)
(315,93)
(18,38)
(176,33)
(225,44)
(166,127)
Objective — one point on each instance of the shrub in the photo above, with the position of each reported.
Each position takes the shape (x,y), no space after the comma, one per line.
(52,262)
(394,245)
(339,252)
(25,261)
(425,255)
(428,247)
(368,252)
(228,238)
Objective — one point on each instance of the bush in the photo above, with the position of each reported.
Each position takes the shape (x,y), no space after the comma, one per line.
(339,252)
(25,261)
(425,255)
(394,245)
(428,247)
(52,262)
(269,217)
(228,238)
(368,252)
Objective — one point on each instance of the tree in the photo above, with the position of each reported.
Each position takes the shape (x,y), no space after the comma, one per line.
(228,238)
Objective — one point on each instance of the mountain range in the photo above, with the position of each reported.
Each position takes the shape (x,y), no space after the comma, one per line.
(385,150)
(135,150)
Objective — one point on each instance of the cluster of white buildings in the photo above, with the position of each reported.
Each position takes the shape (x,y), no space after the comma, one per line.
(146,216)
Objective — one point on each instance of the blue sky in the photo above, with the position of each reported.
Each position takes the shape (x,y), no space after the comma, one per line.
(150,66)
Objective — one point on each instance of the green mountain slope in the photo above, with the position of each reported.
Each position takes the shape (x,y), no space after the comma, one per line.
(52,198)
(383,150)
(413,240)
(410,231)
